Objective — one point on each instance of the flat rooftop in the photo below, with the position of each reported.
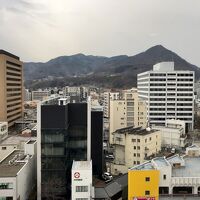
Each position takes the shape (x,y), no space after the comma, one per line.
(16,140)
(82,165)
(145,166)
(161,162)
(11,170)
(191,168)
(135,131)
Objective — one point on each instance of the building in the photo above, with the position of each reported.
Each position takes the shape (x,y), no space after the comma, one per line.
(18,173)
(175,175)
(11,90)
(132,146)
(65,133)
(107,97)
(82,180)
(11,143)
(27,95)
(127,111)
(40,95)
(3,130)
(169,94)
(173,133)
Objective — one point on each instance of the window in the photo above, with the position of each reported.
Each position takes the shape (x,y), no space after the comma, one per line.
(138,147)
(147,179)
(138,162)
(134,154)
(6,186)
(134,162)
(81,188)
(145,140)
(134,147)
(138,140)
(164,177)
(150,139)
(133,140)
(138,155)
(147,192)
(3,148)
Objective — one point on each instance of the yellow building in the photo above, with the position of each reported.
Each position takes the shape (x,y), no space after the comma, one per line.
(143,182)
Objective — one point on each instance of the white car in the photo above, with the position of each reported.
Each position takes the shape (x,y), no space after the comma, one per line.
(107,176)
(110,156)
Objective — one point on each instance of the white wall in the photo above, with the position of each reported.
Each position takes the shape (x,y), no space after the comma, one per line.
(8,192)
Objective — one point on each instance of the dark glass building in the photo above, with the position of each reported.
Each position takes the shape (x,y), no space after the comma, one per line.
(67,132)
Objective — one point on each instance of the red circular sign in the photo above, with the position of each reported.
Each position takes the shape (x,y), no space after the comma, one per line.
(76,175)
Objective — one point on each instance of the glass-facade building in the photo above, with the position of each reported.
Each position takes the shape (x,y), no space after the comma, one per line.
(64,138)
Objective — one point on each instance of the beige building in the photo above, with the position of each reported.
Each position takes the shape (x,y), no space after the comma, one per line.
(132,146)
(11,90)
(127,111)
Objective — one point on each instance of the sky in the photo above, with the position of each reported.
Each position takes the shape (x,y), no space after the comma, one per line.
(39,30)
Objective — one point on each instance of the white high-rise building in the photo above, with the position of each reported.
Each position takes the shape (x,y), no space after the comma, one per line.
(169,94)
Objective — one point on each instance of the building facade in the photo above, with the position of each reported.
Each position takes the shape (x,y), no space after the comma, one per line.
(40,95)
(127,111)
(82,180)
(66,133)
(177,175)
(18,173)
(169,94)
(11,90)
(132,146)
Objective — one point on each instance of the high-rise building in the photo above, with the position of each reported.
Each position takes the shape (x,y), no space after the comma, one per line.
(67,132)
(127,111)
(11,90)
(169,94)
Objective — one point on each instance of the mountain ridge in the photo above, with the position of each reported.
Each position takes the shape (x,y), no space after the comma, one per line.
(116,71)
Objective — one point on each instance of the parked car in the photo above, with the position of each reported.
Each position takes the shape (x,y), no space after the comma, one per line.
(110,156)
(107,176)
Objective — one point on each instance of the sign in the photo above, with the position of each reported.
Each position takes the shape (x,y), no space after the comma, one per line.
(144,198)
(76,175)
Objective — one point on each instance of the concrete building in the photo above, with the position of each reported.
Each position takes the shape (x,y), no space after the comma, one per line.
(18,173)
(107,97)
(127,111)
(132,146)
(169,94)
(173,133)
(177,175)
(27,95)
(3,130)
(82,180)
(11,90)
(65,133)
(40,95)
(11,143)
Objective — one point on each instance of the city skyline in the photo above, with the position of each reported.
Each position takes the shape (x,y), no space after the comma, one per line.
(105,28)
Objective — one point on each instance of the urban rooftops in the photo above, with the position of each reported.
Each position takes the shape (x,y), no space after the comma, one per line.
(135,131)
(12,164)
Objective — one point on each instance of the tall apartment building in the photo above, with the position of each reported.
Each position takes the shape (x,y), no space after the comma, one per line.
(127,111)
(67,132)
(107,97)
(169,94)
(11,90)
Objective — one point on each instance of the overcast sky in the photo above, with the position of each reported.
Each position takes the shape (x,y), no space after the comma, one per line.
(38,30)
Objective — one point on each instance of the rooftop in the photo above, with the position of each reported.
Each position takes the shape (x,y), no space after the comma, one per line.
(82,165)
(16,140)
(8,54)
(191,168)
(145,166)
(161,162)
(11,170)
(135,131)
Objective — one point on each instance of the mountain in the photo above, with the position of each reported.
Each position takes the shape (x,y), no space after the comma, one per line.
(118,72)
